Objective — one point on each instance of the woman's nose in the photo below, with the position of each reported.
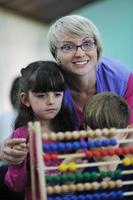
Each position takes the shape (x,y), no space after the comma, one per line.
(79,52)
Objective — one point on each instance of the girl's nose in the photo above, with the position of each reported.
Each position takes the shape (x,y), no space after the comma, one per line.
(50,98)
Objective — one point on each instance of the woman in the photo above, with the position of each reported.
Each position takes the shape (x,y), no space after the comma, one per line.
(75,43)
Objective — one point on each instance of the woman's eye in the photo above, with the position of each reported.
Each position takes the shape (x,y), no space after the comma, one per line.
(66,47)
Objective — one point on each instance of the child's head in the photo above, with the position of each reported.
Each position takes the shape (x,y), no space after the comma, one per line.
(41,92)
(106,110)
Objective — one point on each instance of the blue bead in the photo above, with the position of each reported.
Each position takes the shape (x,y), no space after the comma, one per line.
(57,198)
(105,143)
(113,142)
(81,197)
(83,144)
(68,146)
(76,145)
(104,196)
(73,197)
(98,143)
(119,194)
(89,197)
(112,195)
(50,198)
(90,144)
(66,198)
(46,147)
(97,196)
(53,147)
(61,146)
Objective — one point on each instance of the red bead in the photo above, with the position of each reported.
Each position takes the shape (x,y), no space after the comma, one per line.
(125,151)
(89,154)
(111,152)
(118,151)
(104,152)
(96,153)
(54,156)
(46,157)
(131,150)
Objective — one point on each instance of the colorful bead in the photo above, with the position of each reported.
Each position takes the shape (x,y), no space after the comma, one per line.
(72,167)
(63,167)
(126,161)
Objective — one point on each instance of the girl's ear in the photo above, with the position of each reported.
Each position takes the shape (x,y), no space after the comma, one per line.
(24,99)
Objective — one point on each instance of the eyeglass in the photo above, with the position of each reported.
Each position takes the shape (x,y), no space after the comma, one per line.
(85,46)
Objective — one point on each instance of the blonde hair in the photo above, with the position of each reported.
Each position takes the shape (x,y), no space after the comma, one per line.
(73,25)
(106,110)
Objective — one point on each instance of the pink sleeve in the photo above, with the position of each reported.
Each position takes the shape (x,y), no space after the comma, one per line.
(16,176)
(129,97)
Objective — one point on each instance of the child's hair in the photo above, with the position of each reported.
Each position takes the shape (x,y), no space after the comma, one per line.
(106,110)
(43,76)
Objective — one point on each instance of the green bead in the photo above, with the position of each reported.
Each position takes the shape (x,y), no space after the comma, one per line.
(79,177)
(49,179)
(64,178)
(93,176)
(103,174)
(118,173)
(56,179)
(86,176)
(71,177)
(110,173)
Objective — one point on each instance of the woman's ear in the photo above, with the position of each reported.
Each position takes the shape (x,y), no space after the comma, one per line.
(24,99)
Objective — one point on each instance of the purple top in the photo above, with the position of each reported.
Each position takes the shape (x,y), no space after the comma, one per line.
(110,76)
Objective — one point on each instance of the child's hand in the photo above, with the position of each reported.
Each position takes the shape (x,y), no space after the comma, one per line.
(10,153)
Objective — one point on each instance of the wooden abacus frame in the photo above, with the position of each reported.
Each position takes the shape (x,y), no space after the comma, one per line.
(35,129)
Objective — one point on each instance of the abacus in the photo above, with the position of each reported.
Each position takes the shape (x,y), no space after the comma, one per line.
(68,180)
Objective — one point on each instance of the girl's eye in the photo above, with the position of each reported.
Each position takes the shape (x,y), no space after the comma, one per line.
(57,94)
(40,95)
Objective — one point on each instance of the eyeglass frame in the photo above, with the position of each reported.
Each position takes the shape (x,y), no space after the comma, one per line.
(75,47)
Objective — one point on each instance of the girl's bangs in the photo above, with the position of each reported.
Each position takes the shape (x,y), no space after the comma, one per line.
(45,82)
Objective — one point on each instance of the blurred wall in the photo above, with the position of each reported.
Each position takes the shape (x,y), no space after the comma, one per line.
(21,42)
(114,20)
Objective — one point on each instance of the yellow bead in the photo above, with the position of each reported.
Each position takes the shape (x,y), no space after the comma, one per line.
(131,159)
(63,167)
(72,167)
(126,161)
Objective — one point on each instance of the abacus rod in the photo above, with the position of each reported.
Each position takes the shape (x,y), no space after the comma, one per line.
(32,168)
(89,164)
(41,166)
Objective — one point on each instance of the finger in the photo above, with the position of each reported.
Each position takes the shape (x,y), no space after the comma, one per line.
(14,141)
(13,153)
